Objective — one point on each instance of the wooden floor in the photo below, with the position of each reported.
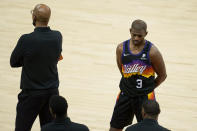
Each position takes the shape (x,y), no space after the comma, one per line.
(89,77)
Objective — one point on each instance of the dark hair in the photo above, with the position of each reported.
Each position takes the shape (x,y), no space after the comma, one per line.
(151,107)
(59,105)
(139,25)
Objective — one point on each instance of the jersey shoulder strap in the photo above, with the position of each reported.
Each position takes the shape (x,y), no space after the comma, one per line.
(126,47)
(147,48)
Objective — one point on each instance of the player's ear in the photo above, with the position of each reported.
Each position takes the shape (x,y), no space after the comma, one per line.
(130,30)
(146,33)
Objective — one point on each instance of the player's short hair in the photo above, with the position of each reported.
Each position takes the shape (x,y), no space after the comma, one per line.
(59,105)
(139,25)
(151,107)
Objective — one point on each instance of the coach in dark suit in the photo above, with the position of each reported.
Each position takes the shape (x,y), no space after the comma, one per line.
(150,113)
(58,107)
(37,53)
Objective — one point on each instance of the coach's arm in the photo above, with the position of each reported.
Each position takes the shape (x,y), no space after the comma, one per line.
(16,59)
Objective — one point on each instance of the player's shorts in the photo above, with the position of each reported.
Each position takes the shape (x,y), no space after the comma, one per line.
(125,109)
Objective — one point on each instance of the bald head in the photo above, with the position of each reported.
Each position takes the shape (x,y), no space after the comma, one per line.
(139,25)
(42,13)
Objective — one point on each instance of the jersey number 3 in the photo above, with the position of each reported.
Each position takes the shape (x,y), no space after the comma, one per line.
(139,83)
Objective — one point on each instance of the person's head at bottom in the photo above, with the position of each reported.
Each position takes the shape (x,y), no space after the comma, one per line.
(150,109)
(150,113)
(58,106)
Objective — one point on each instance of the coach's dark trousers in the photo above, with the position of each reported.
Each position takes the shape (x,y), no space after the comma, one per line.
(30,105)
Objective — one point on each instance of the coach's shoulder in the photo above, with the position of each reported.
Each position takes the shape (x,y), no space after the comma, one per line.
(23,37)
(133,127)
(56,31)
(164,129)
(79,127)
(47,127)
(26,35)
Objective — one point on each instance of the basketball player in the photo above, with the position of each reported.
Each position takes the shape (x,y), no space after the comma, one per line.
(138,60)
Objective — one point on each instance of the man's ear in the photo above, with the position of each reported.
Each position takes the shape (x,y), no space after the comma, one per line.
(145,33)
(35,18)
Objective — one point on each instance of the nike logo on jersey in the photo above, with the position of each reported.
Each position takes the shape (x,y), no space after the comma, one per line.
(126,54)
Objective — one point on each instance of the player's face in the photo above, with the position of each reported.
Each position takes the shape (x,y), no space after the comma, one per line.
(137,36)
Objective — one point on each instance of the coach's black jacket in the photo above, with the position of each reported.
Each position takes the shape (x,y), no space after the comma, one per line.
(146,125)
(38,53)
(64,125)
